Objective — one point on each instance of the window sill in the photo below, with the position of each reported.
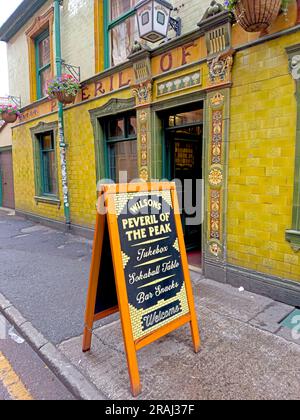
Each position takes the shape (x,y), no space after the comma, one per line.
(48,200)
(293,236)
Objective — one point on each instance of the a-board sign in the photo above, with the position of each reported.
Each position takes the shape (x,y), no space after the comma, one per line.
(140,268)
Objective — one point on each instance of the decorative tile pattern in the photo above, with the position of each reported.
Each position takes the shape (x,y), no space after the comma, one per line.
(180,83)
(217,131)
(215,208)
(143,93)
(220,70)
(215,175)
(143,129)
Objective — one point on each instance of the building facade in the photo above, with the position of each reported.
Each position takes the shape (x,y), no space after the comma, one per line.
(215,103)
(7,196)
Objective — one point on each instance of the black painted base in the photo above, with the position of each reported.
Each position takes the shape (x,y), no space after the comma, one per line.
(281,290)
(85,232)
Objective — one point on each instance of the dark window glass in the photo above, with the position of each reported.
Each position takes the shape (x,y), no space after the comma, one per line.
(44,52)
(122,147)
(161,18)
(132,128)
(116,128)
(145,18)
(123,158)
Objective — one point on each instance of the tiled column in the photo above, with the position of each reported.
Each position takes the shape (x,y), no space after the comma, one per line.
(142,91)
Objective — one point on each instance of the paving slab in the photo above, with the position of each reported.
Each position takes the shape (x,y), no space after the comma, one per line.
(237,362)
(272,316)
(229,301)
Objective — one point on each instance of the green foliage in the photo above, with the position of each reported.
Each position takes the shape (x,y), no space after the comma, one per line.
(64,84)
(231,4)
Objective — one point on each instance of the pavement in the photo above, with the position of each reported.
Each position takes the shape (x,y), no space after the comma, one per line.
(246,353)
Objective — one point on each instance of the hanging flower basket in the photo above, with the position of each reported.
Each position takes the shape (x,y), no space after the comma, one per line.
(9,118)
(64,89)
(256,15)
(65,98)
(9,113)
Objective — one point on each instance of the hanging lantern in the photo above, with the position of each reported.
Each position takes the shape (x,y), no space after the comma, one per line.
(154,18)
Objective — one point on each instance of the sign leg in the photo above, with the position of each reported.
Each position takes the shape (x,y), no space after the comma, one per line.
(93,282)
(136,387)
(87,339)
(195,335)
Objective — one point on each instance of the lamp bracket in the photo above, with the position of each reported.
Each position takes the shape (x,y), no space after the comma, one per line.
(176,24)
(15,100)
(72,70)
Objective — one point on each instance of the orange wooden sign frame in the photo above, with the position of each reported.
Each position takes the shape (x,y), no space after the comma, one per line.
(110,218)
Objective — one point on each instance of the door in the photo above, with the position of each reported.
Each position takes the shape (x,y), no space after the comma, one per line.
(7,196)
(184,138)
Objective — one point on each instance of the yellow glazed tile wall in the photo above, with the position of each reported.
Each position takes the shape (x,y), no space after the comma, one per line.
(261,161)
(81,165)
(24,173)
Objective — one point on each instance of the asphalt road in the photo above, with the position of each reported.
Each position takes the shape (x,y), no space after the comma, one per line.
(44,274)
(23,375)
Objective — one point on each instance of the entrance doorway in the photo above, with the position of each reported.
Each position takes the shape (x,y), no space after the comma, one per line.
(7,197)
(184,147)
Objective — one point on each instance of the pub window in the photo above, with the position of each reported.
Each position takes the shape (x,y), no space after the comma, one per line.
(121,142)
(43,63)
(47,165)
(121,30)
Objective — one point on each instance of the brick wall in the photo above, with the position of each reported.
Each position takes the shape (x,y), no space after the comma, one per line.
(190,11)
(77,31)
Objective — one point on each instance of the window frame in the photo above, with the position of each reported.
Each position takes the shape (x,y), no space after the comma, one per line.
(45,193)
(108,26)
(36,133)
(39,70)
(39,26)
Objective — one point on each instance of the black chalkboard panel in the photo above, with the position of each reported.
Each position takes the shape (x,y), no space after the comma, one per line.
(151,260)
(106,293)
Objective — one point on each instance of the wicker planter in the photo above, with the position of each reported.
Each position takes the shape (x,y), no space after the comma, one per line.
(64,98)
(8,118)
(256,15)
